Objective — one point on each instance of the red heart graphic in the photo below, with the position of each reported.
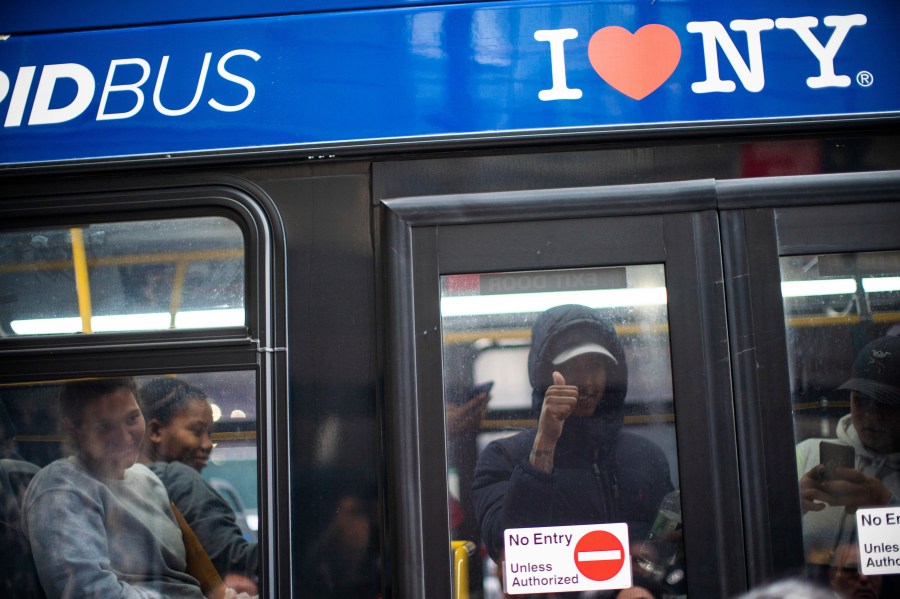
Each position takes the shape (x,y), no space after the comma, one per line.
(635,64)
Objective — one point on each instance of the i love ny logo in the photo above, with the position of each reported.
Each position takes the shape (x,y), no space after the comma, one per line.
(637,64)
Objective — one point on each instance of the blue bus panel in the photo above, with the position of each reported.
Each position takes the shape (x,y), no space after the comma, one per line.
(320,80)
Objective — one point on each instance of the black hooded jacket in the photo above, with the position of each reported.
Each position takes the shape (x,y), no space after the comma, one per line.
(600,474)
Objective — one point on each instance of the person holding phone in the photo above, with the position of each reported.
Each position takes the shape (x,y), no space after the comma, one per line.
(861,467)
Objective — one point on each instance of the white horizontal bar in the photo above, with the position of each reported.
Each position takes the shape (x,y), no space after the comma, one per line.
(515,303)
(598,556)
(820,287)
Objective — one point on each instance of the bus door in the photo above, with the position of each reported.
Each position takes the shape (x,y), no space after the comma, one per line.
(472,280)
(812,266)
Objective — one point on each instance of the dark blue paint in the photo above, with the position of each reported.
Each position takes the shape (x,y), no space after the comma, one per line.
(454,69)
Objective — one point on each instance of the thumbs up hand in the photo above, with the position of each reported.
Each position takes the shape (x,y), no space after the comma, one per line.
(559,402)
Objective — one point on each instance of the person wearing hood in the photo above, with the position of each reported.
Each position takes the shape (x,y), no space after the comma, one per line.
(577,466)
(872,429)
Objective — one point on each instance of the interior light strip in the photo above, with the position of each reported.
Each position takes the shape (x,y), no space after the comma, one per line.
(155,321)
(816,288)
(472,305)
(838,286)
(881,284)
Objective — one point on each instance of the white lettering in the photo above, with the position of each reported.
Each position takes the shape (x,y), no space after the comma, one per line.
(4,86)
(135,88)
(19,97)
(802,26)
(557,38)
(41,113)
(199,91)
(228,76)
(752,77)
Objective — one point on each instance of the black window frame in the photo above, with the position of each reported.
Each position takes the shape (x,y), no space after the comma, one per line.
(426,237)
(258,346)
(762,220)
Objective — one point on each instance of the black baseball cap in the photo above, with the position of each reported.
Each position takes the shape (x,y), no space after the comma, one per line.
(876,371)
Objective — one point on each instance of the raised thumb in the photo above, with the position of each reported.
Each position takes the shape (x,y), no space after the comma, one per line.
(558,379)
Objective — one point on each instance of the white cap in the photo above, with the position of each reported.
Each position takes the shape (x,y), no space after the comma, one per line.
(586,348)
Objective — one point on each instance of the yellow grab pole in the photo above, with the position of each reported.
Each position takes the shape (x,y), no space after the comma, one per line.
(177,291)
(461,551)
(82,281)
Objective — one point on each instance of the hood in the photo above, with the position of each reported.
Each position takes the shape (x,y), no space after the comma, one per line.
(871,462)
(559,328)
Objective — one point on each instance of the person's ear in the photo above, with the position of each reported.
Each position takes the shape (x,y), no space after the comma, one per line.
(154,430)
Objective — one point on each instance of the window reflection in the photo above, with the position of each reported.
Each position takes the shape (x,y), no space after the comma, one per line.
(614,459)
(842,316)
(206,466)
(131,276)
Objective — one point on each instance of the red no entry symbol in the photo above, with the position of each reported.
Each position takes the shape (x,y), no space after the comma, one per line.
(599,555)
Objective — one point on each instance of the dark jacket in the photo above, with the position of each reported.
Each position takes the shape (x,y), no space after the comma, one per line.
(600,474)
(210,517)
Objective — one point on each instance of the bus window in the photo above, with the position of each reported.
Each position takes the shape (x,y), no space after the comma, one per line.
(181,273)
(842,315)
(188,438)
(510,340)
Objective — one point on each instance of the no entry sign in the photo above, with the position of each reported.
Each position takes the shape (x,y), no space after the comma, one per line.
(566,558)
(879,540)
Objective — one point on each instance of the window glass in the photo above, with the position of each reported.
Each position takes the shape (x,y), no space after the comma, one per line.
(842,315)
(100,459)
(604,331)
(125,276)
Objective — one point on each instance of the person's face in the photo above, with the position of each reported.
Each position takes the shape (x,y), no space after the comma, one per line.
(110,434)
(877,424)
(846,579)
(186,438)
(588,373)
(352,525)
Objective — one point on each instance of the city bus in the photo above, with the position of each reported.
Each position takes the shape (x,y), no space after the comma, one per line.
(343,221)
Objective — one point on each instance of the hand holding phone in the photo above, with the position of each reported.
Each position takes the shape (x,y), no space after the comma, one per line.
(466,416)
(479,389)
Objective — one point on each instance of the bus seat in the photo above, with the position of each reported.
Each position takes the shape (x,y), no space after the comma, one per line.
(461,552)
(18,576)
(20,474)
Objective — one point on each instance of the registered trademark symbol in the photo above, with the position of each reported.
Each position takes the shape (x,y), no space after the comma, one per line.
(865,78)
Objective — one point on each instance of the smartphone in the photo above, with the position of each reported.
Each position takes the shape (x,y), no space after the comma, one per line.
(479,389)
(474,390)
(834,456)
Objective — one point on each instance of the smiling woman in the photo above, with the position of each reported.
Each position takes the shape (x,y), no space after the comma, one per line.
(179,423)
(177,448)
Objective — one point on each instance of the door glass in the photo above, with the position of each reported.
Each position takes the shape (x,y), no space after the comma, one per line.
(89,467)
(842,316)
(182,273)
(559,412)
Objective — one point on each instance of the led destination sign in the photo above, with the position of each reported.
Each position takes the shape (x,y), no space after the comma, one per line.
(378,76)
